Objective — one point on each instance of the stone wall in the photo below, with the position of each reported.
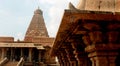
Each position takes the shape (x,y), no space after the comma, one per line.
(6,39)
(100,5)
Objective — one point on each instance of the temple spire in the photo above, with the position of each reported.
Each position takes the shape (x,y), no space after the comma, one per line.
(37,26)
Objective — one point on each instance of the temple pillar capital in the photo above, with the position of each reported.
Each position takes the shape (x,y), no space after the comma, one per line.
(103,55)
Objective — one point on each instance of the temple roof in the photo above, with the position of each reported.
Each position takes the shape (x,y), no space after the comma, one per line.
(37,26)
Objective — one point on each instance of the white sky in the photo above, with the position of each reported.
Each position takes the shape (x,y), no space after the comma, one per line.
(15,15)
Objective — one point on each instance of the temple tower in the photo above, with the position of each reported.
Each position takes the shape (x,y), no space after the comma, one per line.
(37,26)
(99,5)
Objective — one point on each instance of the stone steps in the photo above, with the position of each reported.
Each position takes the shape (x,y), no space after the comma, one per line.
(11,63)
(32,64)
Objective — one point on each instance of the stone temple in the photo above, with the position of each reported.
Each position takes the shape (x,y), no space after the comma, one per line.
(89,34)
(33,51)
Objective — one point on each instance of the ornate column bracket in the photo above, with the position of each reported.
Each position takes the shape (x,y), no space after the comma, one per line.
(64,57)
(71,57)
(80,54)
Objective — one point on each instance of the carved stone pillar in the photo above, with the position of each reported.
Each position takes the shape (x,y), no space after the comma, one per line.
(80,54)
(71,57)
(64,57)
(39,55)
(82,59)
(3,53)
(21,52)
(105,60)
(11,57)
(104,45)
(30,54)
(103,55)
(93,61)
(60,59)
(101,61)
(0,53)
(112,60)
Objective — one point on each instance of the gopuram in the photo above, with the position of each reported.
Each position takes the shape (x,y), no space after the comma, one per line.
(89,34)
(33,51)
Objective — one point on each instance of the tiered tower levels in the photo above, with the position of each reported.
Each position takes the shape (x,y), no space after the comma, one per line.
(37,27)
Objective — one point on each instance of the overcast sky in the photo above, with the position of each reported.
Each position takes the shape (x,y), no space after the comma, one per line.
(15,15)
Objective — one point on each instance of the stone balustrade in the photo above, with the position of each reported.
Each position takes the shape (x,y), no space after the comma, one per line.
(2,62)
(21,62)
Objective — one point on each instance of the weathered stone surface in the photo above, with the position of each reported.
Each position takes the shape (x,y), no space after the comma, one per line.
(99,5)
(37,27)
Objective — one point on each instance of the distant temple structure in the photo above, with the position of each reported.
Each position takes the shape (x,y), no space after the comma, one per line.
(33,51)
(89,34)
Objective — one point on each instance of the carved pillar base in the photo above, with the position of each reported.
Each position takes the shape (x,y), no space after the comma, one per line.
(103,61)
(73,63)
(61,64)
(83,62)
(82,59)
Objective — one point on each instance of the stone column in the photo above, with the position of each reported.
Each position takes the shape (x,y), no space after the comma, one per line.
(40,55)
(60,59)
(0,53)
(112,61)
(71,57)
(82,59)
(104,60)
(80,54)
(64,57)
(3,53)
(30,55)
(11,57)
(21,52)
(103,55)
(93,61)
